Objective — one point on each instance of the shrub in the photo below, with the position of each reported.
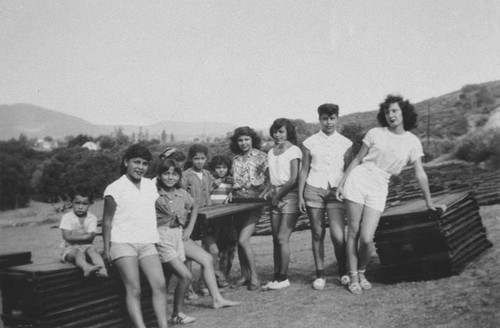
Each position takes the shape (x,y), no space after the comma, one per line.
(479,146)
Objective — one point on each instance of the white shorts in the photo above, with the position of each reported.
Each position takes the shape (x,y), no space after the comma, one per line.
(170,245)
(367,185)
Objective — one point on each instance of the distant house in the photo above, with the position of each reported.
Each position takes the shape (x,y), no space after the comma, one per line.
(45,145)
(90,145)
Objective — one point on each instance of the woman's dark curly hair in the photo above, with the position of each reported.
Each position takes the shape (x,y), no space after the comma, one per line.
(407,109)
(291,135)
(244,131)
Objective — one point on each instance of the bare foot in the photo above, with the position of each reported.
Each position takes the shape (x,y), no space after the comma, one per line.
(222,302)
(87,271)
(102,273)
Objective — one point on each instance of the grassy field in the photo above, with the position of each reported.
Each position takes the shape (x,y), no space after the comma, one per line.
(471,299)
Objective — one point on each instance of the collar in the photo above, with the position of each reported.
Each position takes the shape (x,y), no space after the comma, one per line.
(324,135)
(177,192)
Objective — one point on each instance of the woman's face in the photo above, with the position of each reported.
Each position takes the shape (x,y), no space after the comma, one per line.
(280,135)
(170,177)
(394,115)
(245,143)
(136,168)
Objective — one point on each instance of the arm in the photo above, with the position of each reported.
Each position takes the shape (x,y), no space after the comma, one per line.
(355,162)
(423,182)
(186,234)
(107,218)
(78,237)
(304,172)
(285,189)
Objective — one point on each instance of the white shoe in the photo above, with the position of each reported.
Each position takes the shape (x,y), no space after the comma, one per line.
(280,284)
(319,283)
(345,280)
(269,284)
(181,319)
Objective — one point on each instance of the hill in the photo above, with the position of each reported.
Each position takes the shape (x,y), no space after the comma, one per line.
(37,122)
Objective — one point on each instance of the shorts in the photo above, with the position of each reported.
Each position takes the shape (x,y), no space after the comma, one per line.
(367,185)
(321,198)
(170,245)
(138,250)
(289,204)
(70,248)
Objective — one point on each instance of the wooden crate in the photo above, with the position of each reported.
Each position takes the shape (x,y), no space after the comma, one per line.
(414,243)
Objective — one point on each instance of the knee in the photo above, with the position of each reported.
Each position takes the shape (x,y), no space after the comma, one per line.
(134,291)
(186,276)
(365,240)
(317,234)
(244,242)
(206,260)
(282,240)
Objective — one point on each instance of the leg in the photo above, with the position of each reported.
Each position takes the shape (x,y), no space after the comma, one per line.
(354,214)
(275,226)
(336,217)
(369,224)
(184,278)
(153,271)
(316,219)
(199,255)
(80,259)
(128,268)
(210,244)
(96,259)
(287,224)
(246,228)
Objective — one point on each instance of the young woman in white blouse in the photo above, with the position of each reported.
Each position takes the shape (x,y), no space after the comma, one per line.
(364,186)
(284,162)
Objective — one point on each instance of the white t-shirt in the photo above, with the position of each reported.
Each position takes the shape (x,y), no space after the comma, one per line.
(135,216)
(279,166)
(71,222)
(327,159)
(391,152)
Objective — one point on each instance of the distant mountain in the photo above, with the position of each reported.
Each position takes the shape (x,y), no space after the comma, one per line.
(37,122)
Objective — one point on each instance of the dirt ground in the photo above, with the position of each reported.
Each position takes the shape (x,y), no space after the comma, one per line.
(471,299)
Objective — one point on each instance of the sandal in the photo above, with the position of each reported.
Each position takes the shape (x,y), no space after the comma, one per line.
(365,284)
(354,287)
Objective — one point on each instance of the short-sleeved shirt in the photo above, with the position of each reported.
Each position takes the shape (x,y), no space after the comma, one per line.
(198,188)
(391,152)
(70,221)
(279,166)
(135,217)
(249,172)
(327,159)
(175,207)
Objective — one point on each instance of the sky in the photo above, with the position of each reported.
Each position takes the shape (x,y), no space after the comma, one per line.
(241,62)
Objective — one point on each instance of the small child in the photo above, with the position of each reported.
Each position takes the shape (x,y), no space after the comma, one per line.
(196,180)
(216,239)
(78,231)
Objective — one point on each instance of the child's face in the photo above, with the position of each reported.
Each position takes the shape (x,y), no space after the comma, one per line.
(328,123)
(245,143)
(170,177)
(80,205)
(394,115)
(199,161)
(221,170)
(280,135)
(136,168)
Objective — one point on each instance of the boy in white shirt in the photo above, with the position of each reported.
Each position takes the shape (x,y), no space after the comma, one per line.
(322,168)
(78,229)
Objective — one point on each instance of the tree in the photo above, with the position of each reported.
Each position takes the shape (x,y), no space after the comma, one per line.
(15,187)
(172,137)
(163,137)
(79,140)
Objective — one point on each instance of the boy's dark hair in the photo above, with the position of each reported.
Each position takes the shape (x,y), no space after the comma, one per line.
(244,131)
(221,160)
(193,150)
(84,191)
(164,167)
(134,151)
(407,109)
(290,129)
(329,109)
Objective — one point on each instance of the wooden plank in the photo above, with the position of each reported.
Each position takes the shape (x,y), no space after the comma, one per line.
(419,206)
(215,211)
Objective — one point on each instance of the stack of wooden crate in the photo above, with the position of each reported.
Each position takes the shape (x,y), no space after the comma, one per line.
(57,295)
(414,243)
(13,259)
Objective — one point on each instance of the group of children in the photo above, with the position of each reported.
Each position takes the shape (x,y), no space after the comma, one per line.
(149,223)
